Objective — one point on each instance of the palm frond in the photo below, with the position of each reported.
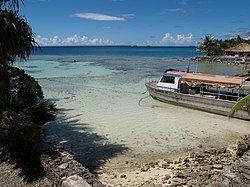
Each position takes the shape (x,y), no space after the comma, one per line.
(244,102)
(11,4)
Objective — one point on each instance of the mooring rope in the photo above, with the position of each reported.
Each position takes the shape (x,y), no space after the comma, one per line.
(139,103)
(144,92)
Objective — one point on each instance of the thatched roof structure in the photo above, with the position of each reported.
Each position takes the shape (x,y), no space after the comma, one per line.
(241,48)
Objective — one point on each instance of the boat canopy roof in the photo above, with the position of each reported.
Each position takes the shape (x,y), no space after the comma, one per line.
(218,81)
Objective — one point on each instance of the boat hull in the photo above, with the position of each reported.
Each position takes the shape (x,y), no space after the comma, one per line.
(198,102)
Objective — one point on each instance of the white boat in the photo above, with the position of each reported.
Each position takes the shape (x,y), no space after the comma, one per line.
(207,92)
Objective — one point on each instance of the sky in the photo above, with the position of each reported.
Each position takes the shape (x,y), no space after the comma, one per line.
(135,22)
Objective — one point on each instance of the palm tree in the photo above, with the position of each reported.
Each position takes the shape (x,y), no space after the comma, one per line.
(16,41)
(19,93)
(17,38)
(206,42)
(244,102)
(12,4)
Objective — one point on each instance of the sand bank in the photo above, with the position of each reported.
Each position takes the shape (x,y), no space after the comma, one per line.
(102,123)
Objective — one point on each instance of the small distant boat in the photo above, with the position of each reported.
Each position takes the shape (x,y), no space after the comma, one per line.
(207,92)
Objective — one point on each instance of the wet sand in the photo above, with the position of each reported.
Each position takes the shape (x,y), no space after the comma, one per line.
(112,128)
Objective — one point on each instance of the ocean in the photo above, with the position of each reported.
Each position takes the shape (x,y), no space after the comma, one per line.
(118,51)
(104,113)
(67,61)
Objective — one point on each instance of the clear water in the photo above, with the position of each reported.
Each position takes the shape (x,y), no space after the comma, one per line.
(103,113)
(118,51)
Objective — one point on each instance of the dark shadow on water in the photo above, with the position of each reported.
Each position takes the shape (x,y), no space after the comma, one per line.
(86,146)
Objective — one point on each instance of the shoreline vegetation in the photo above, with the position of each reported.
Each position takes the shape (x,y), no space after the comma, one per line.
(233,51)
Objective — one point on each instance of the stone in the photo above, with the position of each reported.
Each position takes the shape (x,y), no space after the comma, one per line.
(179,181)
(166,177)
(175,183)
(168,161)
(194,174)
(148,185)
(74,181)
(165,165)
(218,166)
(246,165)
(200,146)
(247,176)
(113,176)
(123,176)
(176,161)
(170,167)
(145,168)
(158,185)
(99,172)
(206,168)
(63,166)
(179,174)
(192,154)
(205,177)
(186,172)
(186,159)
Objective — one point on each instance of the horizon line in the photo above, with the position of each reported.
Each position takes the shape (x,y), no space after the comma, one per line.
(115,46)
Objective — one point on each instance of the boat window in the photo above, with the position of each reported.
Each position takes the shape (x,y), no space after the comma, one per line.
(168,79)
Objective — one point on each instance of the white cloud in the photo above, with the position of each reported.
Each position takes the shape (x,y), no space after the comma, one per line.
(71,40)
(129,15)
(180,40)
(98,17)
(76,40)
(175,10)
(167,38)
(55,40)
(41,40)
(179,10)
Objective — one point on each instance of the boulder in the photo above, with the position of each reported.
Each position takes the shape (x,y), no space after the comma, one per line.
(74,181)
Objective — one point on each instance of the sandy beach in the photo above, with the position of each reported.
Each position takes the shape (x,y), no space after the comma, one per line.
(115,130)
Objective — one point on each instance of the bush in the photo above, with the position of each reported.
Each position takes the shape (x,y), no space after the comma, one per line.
(22,109)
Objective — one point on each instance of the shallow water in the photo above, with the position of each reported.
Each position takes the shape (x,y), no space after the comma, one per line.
(104,112)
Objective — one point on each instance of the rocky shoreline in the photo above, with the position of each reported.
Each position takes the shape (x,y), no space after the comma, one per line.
(63,170)
(219,59)
(238,174)
(213,167)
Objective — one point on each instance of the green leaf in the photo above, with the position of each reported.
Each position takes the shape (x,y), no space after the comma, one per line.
(244,102)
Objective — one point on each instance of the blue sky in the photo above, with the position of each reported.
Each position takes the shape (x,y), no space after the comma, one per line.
(135,22)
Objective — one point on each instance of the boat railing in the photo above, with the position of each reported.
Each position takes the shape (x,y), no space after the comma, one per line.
(218,95)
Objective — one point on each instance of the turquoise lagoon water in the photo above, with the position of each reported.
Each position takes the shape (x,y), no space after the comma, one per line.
(89,61)
(104,110)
